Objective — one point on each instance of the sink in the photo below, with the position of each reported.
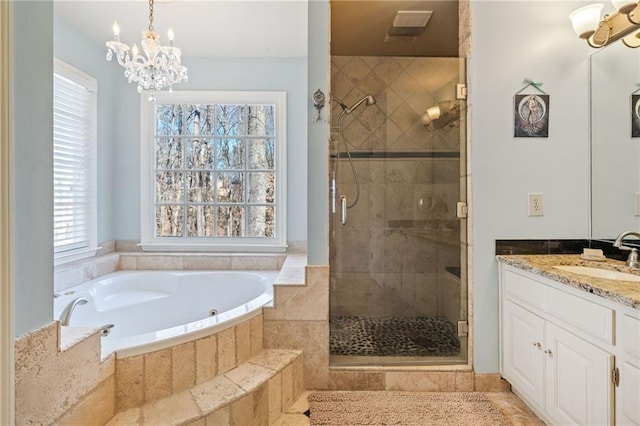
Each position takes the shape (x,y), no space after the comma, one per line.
(599,273)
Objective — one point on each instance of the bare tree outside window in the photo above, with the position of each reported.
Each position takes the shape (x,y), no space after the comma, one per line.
(215,171)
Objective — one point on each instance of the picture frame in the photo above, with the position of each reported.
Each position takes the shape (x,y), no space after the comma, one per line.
(531,115)
(635,116)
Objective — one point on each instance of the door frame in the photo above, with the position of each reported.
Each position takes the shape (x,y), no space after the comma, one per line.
(7,386)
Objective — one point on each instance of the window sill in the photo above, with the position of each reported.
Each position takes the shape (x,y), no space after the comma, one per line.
(214,248)
(62,258)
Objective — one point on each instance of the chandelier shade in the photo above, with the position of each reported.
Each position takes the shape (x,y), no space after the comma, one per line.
(157,67)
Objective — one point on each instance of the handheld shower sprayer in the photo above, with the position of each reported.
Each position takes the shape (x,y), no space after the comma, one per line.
(369,99)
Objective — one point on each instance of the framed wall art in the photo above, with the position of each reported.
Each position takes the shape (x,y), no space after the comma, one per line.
(531,113)
(635,116)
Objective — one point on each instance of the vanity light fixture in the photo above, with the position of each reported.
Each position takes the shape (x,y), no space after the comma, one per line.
(598,32)
(157,67)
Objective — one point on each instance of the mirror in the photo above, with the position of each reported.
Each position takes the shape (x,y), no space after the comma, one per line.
(615,155)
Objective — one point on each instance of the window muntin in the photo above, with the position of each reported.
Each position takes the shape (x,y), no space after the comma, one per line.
(74,163)
(218,171)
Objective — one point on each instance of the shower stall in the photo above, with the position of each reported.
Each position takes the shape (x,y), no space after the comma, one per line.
(398,292)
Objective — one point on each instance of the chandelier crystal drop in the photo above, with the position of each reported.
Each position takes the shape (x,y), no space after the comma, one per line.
(156,68)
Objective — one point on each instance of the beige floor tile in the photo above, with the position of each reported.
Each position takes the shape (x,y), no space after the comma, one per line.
(130,417)
(292,420)
(516,410)
(301,405)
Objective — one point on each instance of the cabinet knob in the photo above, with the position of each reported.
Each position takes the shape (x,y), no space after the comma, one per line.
(548,352)
(537,345)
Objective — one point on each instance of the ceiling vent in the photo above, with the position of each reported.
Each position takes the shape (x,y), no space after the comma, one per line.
(408,24)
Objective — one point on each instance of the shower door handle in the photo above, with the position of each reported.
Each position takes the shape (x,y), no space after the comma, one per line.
(343,210)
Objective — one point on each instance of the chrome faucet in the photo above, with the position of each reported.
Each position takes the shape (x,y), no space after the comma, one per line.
(632,260)
(65,317)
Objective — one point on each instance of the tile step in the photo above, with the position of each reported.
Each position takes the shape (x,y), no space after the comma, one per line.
(255,392)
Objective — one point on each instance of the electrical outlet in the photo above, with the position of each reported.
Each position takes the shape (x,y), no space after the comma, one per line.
(637,204)
(536,204)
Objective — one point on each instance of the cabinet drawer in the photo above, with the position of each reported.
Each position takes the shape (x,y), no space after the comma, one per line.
(630,336)
(524,291)
(588,317)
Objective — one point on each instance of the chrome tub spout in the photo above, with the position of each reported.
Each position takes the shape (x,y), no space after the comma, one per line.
(65,317)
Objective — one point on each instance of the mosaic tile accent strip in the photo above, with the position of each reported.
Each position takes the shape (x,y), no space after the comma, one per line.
(392,336)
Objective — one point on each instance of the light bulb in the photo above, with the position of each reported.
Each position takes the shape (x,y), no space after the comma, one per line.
(134,50)
(585,20)
(116,31)
(170,34)
(434,112)
(624,6)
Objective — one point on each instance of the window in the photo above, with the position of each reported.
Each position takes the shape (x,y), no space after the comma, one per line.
(74,163)
(214,171)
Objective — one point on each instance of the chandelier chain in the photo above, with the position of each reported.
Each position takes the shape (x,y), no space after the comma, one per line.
(150,15)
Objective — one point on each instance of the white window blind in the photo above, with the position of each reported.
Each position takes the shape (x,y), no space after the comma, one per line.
(74,193)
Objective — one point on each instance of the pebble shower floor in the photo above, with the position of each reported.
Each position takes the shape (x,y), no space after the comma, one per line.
(392,336)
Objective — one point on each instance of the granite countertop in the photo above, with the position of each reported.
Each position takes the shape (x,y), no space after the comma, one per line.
(624,292)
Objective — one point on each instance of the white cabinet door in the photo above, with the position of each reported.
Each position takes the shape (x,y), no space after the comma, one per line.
(523,360)
(628,392)
(578,379)
(628,395)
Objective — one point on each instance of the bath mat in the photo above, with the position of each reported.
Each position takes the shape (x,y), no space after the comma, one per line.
(404,408)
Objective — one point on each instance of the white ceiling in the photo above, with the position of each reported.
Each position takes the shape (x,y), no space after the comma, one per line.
(204,28)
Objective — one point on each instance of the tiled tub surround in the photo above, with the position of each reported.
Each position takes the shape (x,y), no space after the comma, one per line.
(154,375)
(73,385)
(60,377)
(154,310)
(85,270)
(256,392)
(624,292)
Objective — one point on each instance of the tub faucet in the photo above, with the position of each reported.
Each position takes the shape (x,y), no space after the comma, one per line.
(632,260)
(65,317)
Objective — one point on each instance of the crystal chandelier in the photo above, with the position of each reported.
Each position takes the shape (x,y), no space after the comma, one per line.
(159,68)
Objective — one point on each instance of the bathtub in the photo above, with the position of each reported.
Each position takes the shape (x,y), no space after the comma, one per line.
(153,310)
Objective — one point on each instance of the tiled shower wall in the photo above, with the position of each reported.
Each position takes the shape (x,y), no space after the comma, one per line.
(394,255)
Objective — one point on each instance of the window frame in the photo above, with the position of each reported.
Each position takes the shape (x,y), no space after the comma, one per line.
(69,72)
(150,242)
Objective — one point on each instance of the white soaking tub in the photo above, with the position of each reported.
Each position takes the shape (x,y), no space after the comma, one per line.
(153,310)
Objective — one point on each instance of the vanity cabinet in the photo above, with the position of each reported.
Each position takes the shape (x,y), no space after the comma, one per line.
(563,349)
(628,393)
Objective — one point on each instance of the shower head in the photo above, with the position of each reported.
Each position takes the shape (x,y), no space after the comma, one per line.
(370,100)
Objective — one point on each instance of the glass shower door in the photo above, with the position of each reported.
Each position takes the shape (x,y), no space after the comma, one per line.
(398,259)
